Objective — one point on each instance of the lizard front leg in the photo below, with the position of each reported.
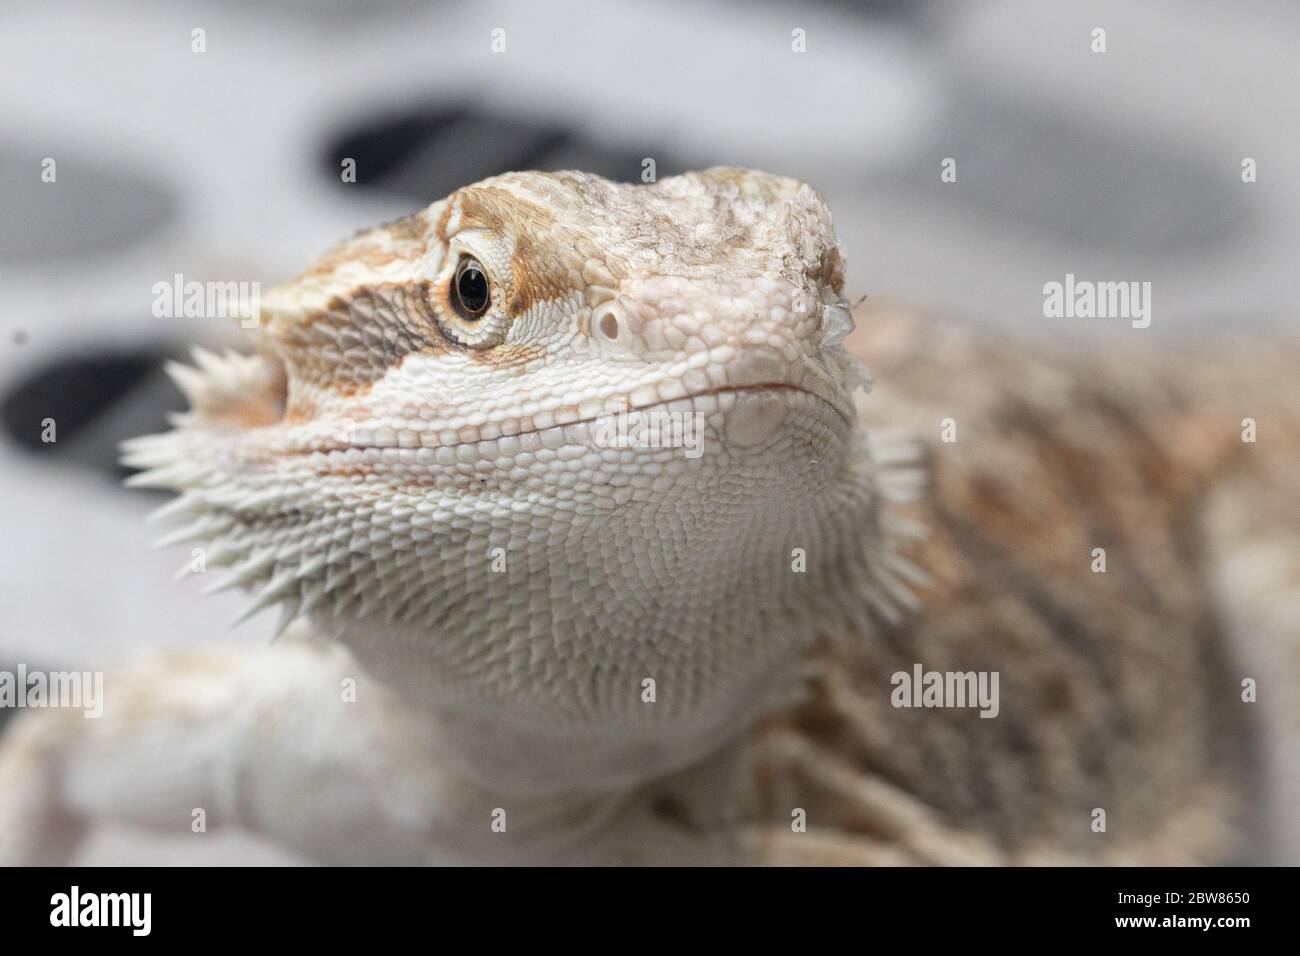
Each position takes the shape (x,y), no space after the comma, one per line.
(291,741)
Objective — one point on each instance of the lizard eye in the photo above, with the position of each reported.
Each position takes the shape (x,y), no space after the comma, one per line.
(470,294)
(466,303)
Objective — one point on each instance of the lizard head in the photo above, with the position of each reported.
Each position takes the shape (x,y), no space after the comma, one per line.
(594,394)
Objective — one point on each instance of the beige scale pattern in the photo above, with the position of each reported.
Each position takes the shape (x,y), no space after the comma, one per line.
(430,501)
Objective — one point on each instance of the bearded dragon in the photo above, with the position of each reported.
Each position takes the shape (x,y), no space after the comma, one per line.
(513,633)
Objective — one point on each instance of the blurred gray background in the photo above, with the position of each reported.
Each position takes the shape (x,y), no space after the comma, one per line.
(224,165)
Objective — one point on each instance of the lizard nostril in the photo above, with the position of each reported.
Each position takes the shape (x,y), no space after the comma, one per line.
(608,322)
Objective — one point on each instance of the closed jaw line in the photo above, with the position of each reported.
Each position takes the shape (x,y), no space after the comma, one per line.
(687,402)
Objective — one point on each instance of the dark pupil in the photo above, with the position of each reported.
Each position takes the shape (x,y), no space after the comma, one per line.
(472,289)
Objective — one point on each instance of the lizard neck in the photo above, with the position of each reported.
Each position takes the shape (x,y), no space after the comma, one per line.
(637,638)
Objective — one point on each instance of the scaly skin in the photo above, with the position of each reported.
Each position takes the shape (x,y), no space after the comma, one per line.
(435,493)
(435,505)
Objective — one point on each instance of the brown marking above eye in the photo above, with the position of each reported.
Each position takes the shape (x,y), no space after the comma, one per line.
(500,211)
(546,261)
(535,277)
(400,240)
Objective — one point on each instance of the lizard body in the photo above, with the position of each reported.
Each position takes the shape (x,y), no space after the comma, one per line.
(416,467)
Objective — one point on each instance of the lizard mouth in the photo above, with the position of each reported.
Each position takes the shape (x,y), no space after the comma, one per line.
(757,388)
(362,442)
